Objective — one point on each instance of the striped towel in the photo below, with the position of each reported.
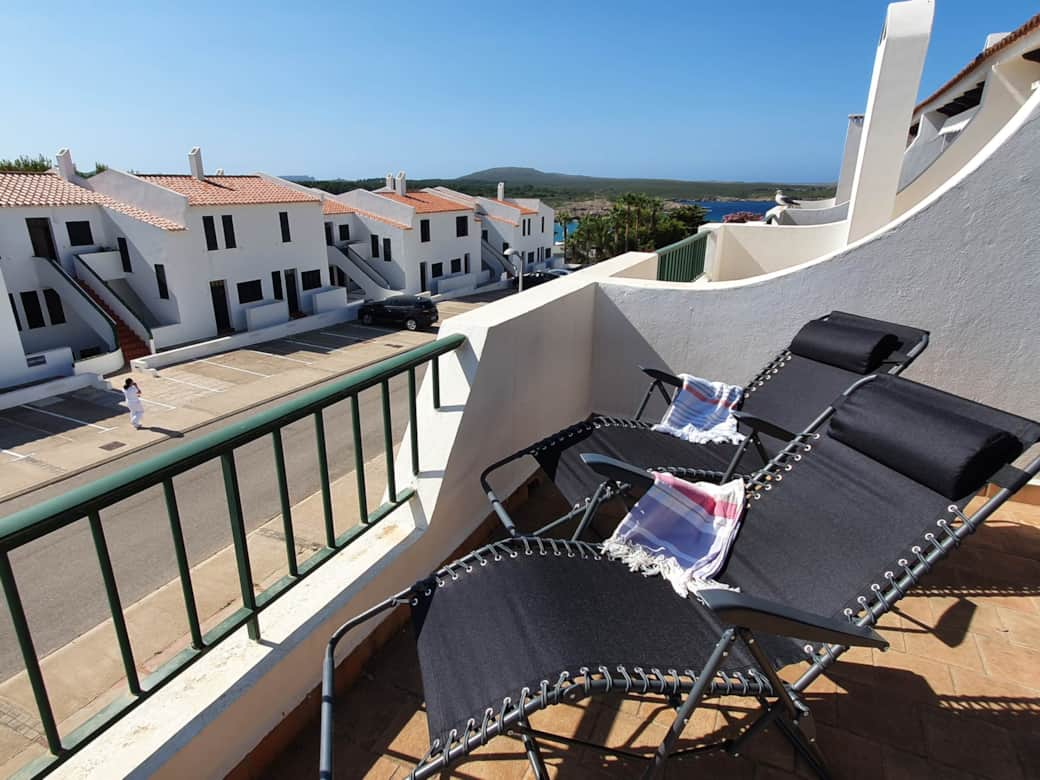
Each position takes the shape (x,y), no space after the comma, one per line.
(680,530)
(701,412)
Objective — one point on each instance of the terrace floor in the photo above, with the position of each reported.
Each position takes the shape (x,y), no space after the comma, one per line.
(956,696)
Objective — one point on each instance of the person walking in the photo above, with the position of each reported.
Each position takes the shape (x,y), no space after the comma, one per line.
(132,394)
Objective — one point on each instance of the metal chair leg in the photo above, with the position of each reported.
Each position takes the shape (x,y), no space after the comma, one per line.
(534,755)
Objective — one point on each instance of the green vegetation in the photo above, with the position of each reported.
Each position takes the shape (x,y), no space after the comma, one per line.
(25,163)
(557,188)
(635,222)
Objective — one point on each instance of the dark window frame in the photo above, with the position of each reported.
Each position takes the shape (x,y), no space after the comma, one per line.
(14,311)
(437,270)
(344,232)
(79,232)
(307,279)
(456,265)
(375,245)
(461,226)
(124,254)
(55,311)
(160,281)
(424,230)
(543,224)
(276,285)
(283,222)
(253,289)
(388,254)
(227,221)
(209,228)
(33,310)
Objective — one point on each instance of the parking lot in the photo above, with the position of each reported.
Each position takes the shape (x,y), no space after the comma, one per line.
(54,437)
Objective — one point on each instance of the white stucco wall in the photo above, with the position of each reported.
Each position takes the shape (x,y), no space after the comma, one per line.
(741,251)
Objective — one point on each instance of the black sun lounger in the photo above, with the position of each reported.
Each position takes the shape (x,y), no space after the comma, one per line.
(825,357)
(840,526)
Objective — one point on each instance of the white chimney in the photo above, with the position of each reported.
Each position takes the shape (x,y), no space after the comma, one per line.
(390,182)
(501,190)
(402,184)
(220,171)
(195,161)
(66,168)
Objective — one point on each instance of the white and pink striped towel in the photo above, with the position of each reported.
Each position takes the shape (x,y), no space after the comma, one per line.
(702,412)
(680,530)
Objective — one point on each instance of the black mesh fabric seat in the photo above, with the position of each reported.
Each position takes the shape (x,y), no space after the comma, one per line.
(790,392)
(841,524)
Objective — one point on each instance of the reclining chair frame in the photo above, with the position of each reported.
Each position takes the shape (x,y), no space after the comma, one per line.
(781,703)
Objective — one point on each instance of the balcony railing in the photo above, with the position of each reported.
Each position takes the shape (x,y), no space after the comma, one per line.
(87,503)
(682,261)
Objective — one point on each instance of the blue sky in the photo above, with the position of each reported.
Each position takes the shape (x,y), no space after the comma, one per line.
(752,90)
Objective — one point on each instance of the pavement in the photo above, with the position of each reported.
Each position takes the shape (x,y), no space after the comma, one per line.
(58,576)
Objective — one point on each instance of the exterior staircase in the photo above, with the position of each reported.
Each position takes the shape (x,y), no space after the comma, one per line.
(129,342)
(374,285)
(495,259)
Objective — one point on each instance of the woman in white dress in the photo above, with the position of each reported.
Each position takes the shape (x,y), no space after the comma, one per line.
(132,394)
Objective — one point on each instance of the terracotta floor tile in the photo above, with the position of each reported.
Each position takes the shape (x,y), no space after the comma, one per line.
(1002,660)
(964,653)
(848,756)
(972,745)
(882,714)
(918,677)
(408,742)
(371,709)
(624,731)
(901,765)
(1022,628)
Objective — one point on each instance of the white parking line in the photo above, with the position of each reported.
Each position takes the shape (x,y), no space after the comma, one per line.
(143,400)
(339,335)
(14,455)
(285,357)
(190,384)
(21,424)
(70,419)
(235,368)
(369,327)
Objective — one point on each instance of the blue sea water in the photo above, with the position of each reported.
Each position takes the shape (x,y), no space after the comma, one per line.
(716,209)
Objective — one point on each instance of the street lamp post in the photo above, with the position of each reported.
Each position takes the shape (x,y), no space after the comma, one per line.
(519,266)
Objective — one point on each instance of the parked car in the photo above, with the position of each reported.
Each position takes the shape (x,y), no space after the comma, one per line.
(412,311)
(558,271)
(535,278)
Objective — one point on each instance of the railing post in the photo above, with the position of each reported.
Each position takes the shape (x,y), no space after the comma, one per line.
(388,440)
(183,568)
(114,603)
(413,421)
(283,498)
(436,382)
(238,537)
(32,663)
(359,457)
(323,476)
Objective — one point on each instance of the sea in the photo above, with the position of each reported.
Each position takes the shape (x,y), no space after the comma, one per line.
(716,209)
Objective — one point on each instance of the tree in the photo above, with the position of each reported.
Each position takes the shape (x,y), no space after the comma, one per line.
(564,218)
(25,163)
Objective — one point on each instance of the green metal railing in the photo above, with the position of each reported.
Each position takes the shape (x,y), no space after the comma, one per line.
(682,261)
(87,503)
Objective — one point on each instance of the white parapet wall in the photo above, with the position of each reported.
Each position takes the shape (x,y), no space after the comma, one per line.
(266,314)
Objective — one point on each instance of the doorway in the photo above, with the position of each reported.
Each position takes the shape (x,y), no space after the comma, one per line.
(220,307)
(292,298)
(422,277)
(41,237)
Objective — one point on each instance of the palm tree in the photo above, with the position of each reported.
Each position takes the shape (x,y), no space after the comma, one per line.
(564,218)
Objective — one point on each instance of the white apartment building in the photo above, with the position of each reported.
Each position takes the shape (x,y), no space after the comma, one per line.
(249,254)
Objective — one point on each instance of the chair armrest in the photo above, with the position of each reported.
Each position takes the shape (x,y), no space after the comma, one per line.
(758,614)
(662,376)
(618,470)
(759,425)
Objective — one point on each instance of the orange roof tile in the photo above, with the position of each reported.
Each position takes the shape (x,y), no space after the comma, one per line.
(425,202)
(343,208)
(1003,43)
(331,206)
(49,189)
(512,205)
(500,219)
(229,190)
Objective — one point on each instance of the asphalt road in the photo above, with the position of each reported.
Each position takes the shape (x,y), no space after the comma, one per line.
(58,575)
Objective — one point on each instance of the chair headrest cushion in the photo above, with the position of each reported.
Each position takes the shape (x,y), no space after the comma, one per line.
(846,346)
(947,452)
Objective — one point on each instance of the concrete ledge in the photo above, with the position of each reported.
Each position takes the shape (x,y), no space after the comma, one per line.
(65,384)
(239,340)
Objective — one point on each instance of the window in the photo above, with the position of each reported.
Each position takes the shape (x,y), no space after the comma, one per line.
(548,252)
(229,231)
(344,232)
(14,311)
(456,265)
(250,291)
(465,262)
(309,280)
(211,233)
(437,270)
(79,233)
(461,226)
(523,227)
(54,307)
(375,245)
(543,224)
(483,235)
(160,280)
(276,285)
(328,233)
(424,230)
(31,307)
(386,249)
(505,246)
(124,255)
(283,218)
(530,257)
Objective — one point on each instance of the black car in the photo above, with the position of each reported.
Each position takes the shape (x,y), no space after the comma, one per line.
(535,278)
(412,311)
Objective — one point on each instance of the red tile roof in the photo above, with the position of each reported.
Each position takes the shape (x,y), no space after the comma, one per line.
(425,202)
(330,206)
(343,208)
(1003,43)
(512,205)
(49,189)
(229,190)
(500,219)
